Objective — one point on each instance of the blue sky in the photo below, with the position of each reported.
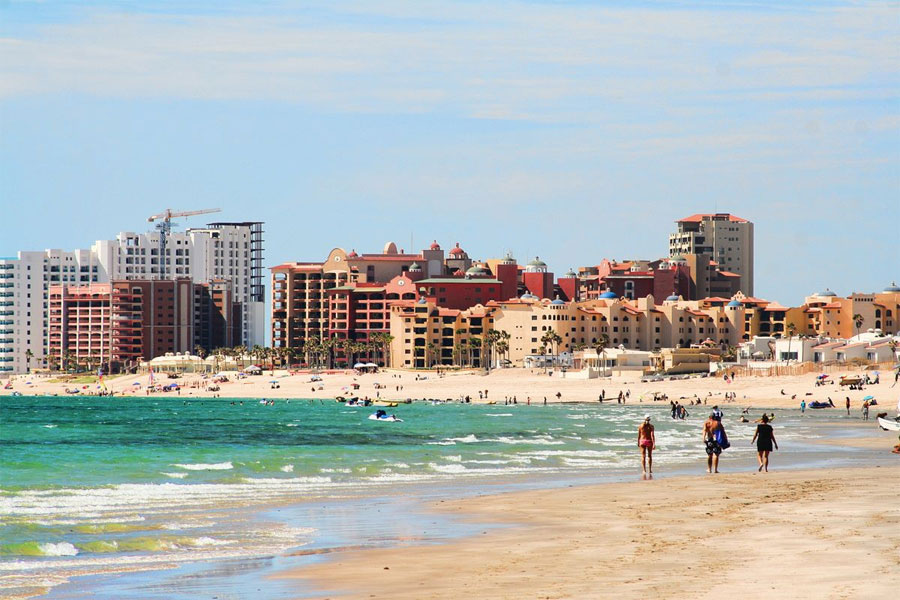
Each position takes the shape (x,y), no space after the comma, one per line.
(570,130)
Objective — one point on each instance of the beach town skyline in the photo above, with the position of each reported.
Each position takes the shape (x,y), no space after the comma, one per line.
(414,353)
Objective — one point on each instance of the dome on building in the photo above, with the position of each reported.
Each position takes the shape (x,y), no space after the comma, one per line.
(477,270)
(557,302)
(571,273)
(422,300)
(892,289)
(608,295)
(457,251)
(435,245)
(353,254)
(536,266)
(528,296)
(827,292)
(508,259)
(415,267)
(734,304)
(672,298)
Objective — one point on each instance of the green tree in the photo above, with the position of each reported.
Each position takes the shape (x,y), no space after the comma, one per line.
(600,346)
(791,330)
(858,321)
(28,356)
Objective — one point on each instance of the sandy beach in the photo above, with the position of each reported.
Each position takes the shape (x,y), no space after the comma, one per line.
(523,384)
(822,534)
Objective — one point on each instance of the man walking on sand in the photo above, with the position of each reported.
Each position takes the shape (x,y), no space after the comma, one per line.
(647,444)
(715,440)
(848,406)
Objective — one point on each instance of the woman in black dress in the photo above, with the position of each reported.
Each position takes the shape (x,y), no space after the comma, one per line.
(764,438)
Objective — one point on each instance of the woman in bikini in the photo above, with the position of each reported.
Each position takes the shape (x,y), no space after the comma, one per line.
(647,444)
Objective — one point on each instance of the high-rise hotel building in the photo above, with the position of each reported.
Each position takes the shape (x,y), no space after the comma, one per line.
(715,245)
(219,251)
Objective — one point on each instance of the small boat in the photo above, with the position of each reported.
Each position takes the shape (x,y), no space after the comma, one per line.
(385,403)
(383,416)
(888,424)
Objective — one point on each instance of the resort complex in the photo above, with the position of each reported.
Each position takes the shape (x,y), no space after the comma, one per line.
(117,305)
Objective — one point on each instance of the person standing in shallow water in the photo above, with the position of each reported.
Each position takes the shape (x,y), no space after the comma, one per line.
(764,438)
(647,444)
(713,432)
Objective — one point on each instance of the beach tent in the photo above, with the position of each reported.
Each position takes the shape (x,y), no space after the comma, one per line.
(359,365)
(370,366)
(253,369)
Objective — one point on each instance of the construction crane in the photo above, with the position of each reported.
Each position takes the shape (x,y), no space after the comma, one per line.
(165,228)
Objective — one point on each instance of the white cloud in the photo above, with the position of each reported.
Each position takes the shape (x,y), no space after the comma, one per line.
(523,61)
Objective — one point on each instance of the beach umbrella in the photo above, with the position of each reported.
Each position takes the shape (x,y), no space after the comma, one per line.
(868,398)
(359,365)
(136,383)
(273,381)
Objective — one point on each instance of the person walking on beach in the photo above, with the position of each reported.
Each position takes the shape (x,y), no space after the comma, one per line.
(764,438)
(714,438)
(848,406)
(803,406)
(865,410)
(647,443)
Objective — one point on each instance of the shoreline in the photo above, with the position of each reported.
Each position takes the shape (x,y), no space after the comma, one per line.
(448,516)
(525,385)
(630,541)
(858,440)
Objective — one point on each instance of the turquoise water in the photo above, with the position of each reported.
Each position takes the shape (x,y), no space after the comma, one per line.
(91,484)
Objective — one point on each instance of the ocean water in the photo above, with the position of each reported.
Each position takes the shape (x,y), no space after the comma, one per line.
(94,485)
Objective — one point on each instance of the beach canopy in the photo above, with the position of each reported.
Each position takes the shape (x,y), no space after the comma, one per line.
(136,383)
(359,366)
(823,376)
(253,369)
(868,398)
(370,365)
(273,381)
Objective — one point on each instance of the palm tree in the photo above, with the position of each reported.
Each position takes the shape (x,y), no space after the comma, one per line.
(546,340)
(476,344)
(67,360)
(310,347)
(858,321)
(430,349)
(28,356)
(791,329)
(502,347)
(556,339)
(489,343)
(600,346)
(457,353)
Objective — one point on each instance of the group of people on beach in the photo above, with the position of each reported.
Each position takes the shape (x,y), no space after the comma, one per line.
(715,441)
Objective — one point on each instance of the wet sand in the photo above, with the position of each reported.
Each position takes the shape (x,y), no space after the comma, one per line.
(829,533)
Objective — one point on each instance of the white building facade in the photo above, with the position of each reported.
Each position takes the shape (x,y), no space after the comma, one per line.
(231,251)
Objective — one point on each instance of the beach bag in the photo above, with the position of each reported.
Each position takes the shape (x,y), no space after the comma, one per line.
(722,439)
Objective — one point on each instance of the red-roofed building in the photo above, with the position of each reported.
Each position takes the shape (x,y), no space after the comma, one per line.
(724,243)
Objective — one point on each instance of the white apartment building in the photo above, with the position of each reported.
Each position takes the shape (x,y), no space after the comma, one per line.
(725,238)
(232,251)
(24,280)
